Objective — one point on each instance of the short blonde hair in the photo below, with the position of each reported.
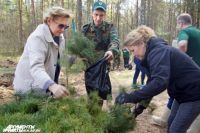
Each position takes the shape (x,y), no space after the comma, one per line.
(141,34)
(55,12)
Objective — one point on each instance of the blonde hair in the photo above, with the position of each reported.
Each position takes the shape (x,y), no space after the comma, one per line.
(141,34)
(55,12)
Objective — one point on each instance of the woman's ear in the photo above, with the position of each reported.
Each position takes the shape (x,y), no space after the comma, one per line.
(49,20)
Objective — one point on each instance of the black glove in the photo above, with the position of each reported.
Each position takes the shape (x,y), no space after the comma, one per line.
(138,110)
(122,98)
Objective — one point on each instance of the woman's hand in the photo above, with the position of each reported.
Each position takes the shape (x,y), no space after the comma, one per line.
(58,91)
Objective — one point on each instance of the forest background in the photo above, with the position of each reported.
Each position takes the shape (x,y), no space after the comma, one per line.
(18,18)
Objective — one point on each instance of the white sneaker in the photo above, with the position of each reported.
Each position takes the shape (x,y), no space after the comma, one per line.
(161,121)
(195,127)
(156,120)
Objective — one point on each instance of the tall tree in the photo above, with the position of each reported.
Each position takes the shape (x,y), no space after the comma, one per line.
(142,12)
(42,5)
(117,14)
(198,14)
(79,14)
(89,5)
(33,13)
(137,13)
(62,3)
(20,22)
(148,20)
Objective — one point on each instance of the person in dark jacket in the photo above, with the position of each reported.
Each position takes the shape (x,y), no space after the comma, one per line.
(105,37)
(126,57)
(188,41)
(168,68)
(138,69)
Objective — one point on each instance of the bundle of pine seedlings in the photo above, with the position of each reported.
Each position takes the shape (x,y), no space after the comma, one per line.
(81,46)
(69,114)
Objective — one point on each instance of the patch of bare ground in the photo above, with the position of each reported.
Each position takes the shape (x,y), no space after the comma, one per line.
(7,67)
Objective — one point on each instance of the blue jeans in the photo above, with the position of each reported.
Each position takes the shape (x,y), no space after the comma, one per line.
(182,115)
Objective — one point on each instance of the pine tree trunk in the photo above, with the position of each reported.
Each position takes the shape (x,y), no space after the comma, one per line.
(42,9)
(148,13)
(62,3)
(137,13)
(33,13)
(198,14)
(142,12)
(79,14)
(20,23)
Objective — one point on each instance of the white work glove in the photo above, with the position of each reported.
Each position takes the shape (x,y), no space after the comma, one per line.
(58,90)
(108,55)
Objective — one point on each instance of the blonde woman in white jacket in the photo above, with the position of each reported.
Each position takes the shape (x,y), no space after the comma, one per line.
(37,66)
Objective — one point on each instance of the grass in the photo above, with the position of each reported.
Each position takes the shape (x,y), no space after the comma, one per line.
(6,63)
(9,56)
(8,70)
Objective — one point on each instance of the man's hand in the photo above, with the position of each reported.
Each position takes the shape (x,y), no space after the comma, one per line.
(58,91)
(122,98)
(182,45)
(108,55)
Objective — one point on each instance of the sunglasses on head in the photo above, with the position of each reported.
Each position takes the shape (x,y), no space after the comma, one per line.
(61,26)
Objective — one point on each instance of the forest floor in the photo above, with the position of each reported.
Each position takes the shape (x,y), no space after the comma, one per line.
(119,78)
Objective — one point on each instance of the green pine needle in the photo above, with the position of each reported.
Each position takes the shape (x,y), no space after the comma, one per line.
(69,114)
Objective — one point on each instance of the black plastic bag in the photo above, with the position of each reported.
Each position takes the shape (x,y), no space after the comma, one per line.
(97,79)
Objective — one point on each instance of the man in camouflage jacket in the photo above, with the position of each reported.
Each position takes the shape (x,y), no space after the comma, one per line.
(103,33)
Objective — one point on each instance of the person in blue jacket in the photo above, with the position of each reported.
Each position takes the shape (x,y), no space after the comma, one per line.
(168,68)
(138,69)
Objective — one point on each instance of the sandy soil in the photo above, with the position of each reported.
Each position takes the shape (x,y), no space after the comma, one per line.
(7,67)
(124,79)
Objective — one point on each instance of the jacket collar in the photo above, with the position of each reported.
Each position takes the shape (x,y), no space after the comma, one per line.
(102,26)
(48,36)
(154,42)
(151,44)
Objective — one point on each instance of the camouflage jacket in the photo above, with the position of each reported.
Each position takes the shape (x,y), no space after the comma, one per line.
(105,37)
